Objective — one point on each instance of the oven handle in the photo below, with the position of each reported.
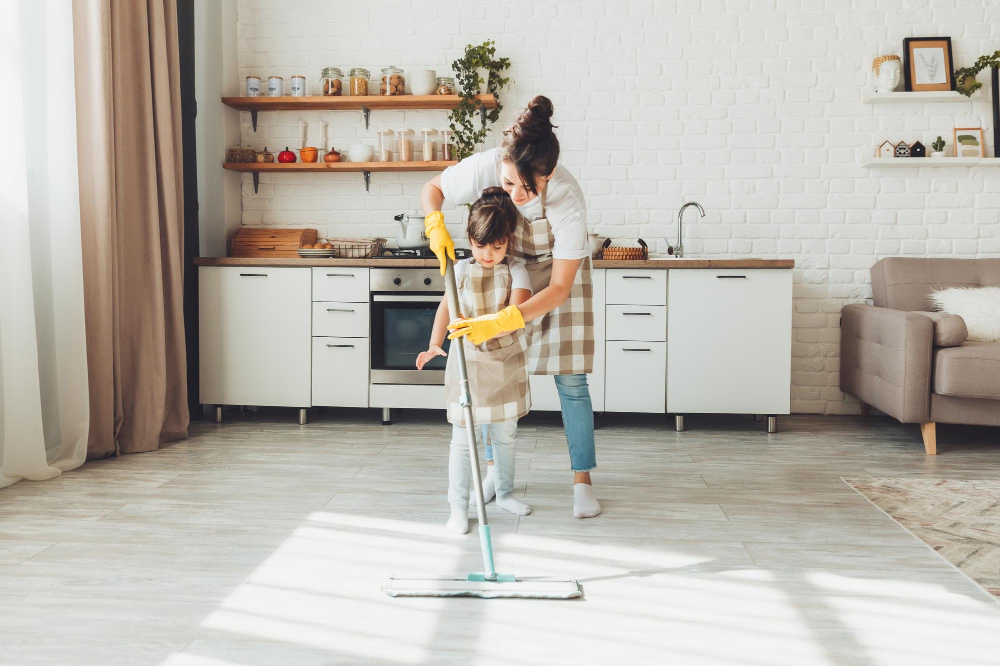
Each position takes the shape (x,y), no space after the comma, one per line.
(406,298)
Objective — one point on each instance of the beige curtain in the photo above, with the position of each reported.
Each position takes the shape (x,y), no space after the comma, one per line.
(131,204)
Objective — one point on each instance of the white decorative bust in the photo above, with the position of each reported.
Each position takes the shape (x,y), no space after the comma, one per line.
(887,70)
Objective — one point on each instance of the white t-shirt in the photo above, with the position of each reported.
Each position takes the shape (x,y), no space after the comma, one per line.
(565,207)
(518,273)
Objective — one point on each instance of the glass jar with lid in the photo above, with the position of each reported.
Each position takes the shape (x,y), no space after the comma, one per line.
(385,145)
(429,149)
(359,82)
(393,82)
(331,81)
(405,145)
(447,147)
(445,85)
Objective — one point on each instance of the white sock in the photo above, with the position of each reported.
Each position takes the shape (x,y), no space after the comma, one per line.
(489,484)
(515,506)
(459,521)
(585,504)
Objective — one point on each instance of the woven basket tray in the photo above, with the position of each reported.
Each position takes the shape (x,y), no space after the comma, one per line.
(625,252)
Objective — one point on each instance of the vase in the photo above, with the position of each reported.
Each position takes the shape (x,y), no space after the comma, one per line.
(937,153)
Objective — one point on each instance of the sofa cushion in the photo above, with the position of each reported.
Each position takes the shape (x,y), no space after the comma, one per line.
(969,371)
(979,307)
(949,330)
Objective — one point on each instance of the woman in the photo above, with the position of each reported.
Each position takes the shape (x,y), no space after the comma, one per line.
(551,238)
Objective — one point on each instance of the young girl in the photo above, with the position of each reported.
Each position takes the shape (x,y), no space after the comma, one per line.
(498,377)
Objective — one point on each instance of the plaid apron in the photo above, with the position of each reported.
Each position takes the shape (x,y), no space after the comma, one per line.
(498,380)
(561,342)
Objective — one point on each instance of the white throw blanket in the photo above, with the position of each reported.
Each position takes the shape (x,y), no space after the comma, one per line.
(978,306)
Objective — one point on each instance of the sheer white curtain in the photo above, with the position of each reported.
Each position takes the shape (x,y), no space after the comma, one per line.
(44,411)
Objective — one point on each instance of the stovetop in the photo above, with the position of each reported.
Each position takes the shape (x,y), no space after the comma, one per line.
(420,253)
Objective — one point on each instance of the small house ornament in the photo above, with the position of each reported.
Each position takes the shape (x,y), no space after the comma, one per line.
(887,149)
(918,150)
(902,150)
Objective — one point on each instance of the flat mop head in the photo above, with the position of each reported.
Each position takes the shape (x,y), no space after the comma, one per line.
(476,585)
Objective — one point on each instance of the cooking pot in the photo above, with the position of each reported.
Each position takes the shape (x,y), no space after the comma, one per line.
(411,231)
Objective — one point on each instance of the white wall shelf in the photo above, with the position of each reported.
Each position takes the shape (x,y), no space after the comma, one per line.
(870,97)
(917,162)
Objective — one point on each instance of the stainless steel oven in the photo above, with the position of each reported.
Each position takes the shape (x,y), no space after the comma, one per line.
(403,304)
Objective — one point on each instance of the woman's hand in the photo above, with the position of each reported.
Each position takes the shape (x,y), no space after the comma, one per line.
(441,243)
(481,329)
(423,358)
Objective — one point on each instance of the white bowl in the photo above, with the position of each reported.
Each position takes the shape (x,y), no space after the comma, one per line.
(360,152)
(423,87)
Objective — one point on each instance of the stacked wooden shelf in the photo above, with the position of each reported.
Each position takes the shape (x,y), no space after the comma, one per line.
(869,97)
(917,162)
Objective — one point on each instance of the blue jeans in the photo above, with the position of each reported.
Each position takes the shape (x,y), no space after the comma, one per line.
(578,420)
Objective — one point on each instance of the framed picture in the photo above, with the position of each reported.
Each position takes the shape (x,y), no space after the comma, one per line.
(969,142)
(927,64)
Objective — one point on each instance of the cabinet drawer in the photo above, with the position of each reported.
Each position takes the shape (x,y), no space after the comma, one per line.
(636,377)
(637,287)
(340,372)
(730,337)
(345,320)
(637,322)
(342,284)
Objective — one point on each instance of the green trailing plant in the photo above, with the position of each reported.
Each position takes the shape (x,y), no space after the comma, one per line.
(464,116)
(938,145)
(965,78)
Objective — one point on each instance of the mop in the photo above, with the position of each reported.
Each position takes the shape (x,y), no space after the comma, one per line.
(489,584)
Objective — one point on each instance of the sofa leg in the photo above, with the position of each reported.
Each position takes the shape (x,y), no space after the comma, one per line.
(866,409)
(929,432)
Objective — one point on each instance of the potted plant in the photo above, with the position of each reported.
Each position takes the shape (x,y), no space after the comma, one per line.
(938,146)
(479,70)
(965,83)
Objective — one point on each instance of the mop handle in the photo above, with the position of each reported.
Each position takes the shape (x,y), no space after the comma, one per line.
(465,399)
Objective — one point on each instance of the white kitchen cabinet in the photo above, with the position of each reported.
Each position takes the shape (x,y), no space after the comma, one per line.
(626,286)
(340,372)
(636,376)
(344,320)
(254,335)
(344,284)
(637,322)
(544,396)
(729,336)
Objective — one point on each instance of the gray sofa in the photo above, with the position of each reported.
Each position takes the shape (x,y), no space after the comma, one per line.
(917,365)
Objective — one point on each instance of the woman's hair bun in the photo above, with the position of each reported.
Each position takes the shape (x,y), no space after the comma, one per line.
(534,123)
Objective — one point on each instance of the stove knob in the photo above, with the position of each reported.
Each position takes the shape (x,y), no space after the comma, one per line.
(396,281)
(427,281)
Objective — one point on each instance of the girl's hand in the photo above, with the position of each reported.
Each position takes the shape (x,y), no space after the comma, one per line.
(423,358)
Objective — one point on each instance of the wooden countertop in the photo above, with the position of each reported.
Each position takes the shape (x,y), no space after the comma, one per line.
(749,262)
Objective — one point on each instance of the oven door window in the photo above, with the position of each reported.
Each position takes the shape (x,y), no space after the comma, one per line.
(400,331)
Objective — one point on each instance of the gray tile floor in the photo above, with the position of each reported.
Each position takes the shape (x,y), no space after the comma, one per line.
(259,542)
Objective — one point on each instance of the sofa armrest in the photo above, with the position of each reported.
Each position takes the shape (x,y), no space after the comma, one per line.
(949,330)
(885,360)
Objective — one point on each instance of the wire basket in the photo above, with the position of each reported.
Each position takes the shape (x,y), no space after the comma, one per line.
(357,248)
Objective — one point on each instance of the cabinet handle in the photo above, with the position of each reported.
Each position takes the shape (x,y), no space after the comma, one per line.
(637,277)
(636,350)
(340,275)
(339,310)
(266,247)
(253,274)
(731,277)
(351,346)
(638,314)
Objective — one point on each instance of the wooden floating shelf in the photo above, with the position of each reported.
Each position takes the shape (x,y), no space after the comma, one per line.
(366,168)
(870,97)
(917,162)
(350,103)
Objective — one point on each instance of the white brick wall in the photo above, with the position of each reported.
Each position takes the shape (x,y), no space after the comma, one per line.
(751,107)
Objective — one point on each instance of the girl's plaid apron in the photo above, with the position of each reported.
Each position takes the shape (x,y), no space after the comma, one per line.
(498,378)
(561,342)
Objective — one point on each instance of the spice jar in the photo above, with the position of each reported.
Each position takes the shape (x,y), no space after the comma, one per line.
(359,82)
(445,85)
(385,145)
(275,86)
(253,86)
(428,144)
(447,148)
(392,82)
(331,81)
(298,86)
(405,145)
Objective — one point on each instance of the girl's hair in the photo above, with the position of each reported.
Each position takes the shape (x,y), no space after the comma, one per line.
(493,218)
(530,145)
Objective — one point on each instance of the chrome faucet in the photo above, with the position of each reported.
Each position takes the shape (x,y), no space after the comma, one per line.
(678,250)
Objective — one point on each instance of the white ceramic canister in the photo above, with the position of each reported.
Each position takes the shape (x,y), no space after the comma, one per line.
(298,86)
(253,86)
(275,86)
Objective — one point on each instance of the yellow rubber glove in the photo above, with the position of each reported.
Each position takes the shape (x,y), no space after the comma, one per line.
(441,243)
(481,329)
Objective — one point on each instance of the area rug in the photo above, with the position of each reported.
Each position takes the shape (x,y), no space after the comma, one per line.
(958,519)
